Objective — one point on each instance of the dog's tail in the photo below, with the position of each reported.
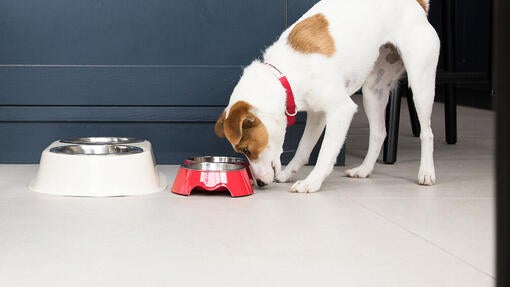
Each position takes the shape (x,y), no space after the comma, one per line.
(424,4)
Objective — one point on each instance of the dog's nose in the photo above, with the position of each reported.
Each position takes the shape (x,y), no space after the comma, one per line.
(261,183)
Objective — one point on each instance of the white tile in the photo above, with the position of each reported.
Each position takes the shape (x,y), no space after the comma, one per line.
(462,227)
(381,231)
(273,238)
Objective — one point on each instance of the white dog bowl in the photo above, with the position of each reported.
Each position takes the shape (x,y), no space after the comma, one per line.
(98,167)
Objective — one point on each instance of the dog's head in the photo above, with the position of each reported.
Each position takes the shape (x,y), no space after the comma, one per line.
(259,140)
(254,122)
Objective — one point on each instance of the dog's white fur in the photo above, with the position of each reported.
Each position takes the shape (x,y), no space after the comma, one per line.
(323,85)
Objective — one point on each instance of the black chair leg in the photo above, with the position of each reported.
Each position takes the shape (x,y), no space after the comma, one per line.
(450,100)
(415,122)
(392,125)
(450,114)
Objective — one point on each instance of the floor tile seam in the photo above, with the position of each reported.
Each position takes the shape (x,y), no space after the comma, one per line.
(114,66)
(422,238)
(438,160)
(456,198)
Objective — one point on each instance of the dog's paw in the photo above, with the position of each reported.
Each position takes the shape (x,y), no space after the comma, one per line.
(426,177)
(306,186)
(358,172)
(285,175)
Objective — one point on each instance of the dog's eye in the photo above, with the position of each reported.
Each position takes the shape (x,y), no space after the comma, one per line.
(245,151)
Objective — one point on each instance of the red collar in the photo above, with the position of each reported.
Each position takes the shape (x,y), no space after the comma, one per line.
(290,109)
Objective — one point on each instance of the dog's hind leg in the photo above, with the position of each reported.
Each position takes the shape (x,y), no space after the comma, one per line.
(384,76)
(419,48)
(315,124)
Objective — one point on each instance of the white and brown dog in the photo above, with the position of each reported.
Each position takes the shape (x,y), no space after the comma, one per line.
(336,48)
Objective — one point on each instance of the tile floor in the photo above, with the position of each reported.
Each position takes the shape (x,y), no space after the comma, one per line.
(381,231)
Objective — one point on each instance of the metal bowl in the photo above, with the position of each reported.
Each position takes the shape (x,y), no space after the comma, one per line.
(217,159)
(96,150)
(102,140)
(211,166)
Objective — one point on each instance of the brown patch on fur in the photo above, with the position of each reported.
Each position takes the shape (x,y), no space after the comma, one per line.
(424,5)
(312,36)
(243,130)
(393,56)
(218,127)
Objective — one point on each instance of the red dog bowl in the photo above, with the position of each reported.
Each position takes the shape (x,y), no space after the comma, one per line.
(221,159)
(207,176)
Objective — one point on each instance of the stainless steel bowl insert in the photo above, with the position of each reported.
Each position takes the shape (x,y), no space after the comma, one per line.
(96,150)
(211,166)
(217,159)
(102,140)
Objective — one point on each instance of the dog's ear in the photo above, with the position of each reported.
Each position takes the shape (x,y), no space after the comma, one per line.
(238,118)
(218,127)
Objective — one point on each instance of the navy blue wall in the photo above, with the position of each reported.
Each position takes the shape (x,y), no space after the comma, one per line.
(157,69)
(160,70)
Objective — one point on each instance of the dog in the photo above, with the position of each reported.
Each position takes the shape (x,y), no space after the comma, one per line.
(316,65)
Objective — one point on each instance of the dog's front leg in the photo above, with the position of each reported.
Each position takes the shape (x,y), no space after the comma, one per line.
(338,118)
(315,123)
